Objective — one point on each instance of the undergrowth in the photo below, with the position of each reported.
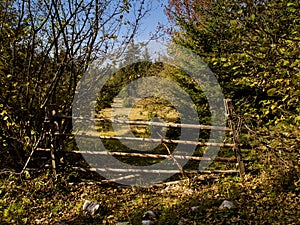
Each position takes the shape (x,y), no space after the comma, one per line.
(41,199)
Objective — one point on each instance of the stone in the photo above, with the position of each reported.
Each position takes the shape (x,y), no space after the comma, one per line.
(90,208)
(226,204)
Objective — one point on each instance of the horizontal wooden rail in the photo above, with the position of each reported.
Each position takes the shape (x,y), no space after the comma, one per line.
(157,156)
(152,171)
(152,140)
(150,123)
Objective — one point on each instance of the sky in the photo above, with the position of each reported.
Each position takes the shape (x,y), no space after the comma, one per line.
(152,20)
(149,25)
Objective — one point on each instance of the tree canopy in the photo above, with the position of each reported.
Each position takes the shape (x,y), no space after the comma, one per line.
(252,47)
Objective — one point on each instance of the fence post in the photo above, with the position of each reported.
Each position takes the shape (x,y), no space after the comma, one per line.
(235,136)
(53,127)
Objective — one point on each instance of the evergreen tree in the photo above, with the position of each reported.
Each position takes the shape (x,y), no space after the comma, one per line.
(252,47)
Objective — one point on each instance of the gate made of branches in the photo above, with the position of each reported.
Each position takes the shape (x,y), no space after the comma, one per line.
(54,139)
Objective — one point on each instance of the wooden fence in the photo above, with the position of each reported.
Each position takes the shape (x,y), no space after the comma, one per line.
(54,137)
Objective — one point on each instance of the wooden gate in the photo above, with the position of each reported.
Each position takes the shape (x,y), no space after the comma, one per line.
(54,139)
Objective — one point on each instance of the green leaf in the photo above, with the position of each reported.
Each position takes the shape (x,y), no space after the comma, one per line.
(233,22)
(271,92)
(252,17)
(286,62)
(289,4)
(292,9)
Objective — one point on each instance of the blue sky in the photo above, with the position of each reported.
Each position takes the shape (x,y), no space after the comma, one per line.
(151,21)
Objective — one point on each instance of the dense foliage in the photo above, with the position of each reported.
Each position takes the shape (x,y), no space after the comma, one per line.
(252,47)
(45,48)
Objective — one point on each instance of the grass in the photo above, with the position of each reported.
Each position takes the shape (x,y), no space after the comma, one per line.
(41,199)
